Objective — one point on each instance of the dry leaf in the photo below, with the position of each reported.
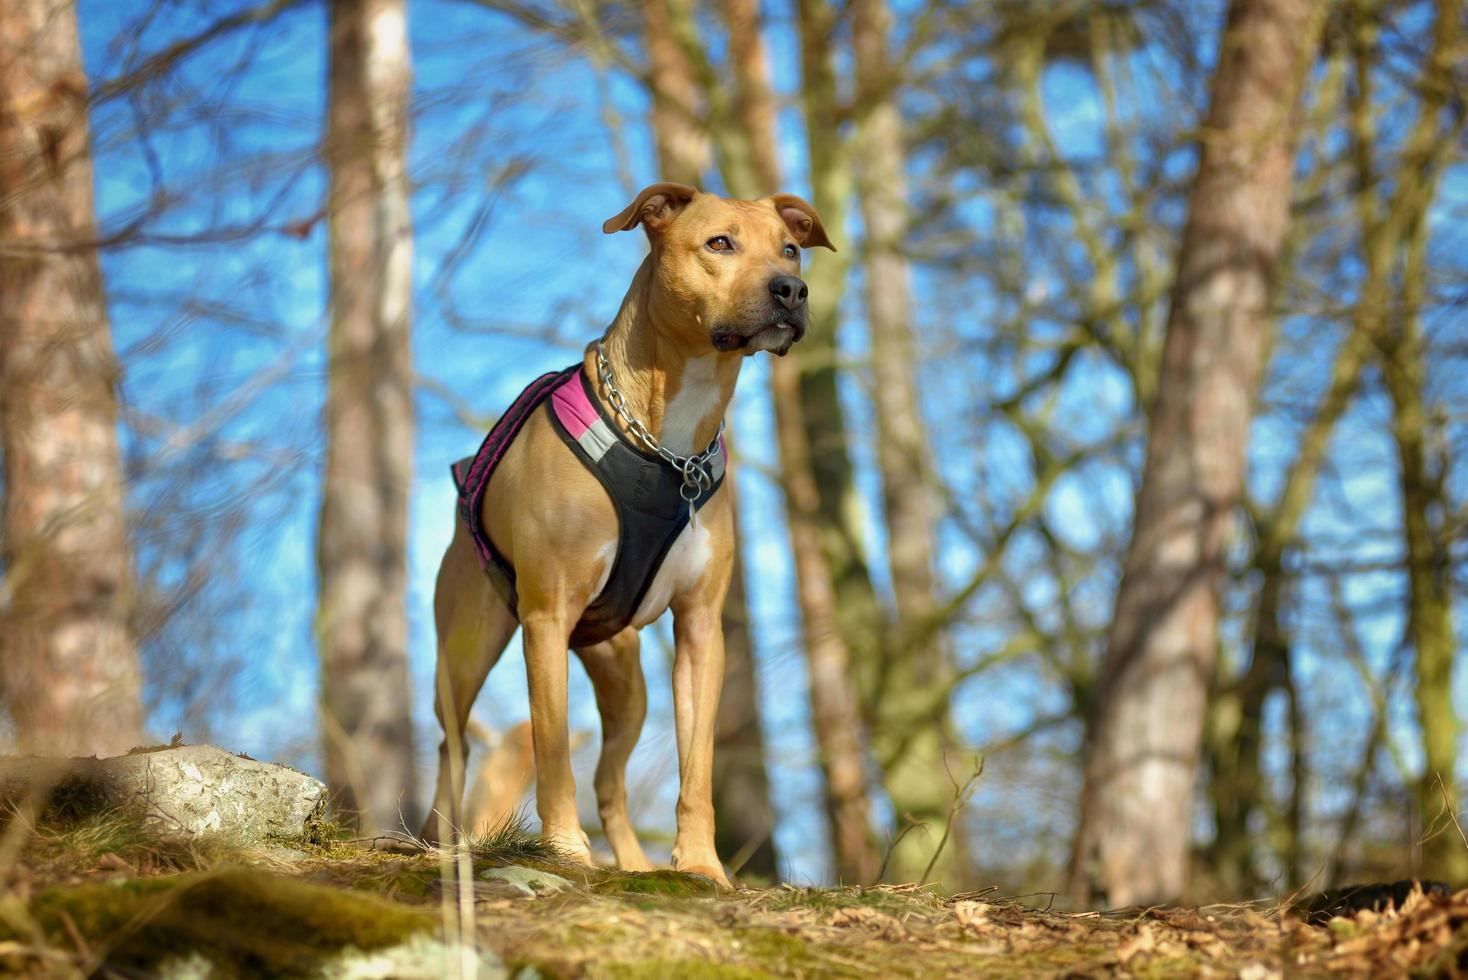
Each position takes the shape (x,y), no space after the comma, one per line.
(971,914)
(1143,941)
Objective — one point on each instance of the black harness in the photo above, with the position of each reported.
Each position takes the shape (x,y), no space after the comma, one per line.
(652,500)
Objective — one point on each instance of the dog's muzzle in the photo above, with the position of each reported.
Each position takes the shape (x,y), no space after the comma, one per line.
(780,330)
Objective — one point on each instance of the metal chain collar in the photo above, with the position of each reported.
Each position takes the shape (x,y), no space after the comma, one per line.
(697,477)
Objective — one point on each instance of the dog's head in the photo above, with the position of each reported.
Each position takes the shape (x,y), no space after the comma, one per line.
(723,271)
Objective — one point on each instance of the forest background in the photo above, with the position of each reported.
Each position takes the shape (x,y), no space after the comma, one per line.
(937,491)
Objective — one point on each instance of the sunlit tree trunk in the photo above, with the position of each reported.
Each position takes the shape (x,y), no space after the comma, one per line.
(744,833)
(754,105)
(825,423)
(1133,840)
(835,711)
(682,146)
(908,738)
(362,548)
(68,662)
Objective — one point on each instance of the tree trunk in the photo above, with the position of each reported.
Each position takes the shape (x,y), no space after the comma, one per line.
(825,424)
(1422,456)
(362,549)
(682,146)
(745,825)
(68,662)
(1238,783)
(835,712)
(908,738)
(1134,837)
(754,105)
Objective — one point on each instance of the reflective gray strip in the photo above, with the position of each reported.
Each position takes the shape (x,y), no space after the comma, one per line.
(716,465)
(597,439)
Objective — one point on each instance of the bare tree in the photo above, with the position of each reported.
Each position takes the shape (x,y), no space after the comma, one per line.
(68,662)
(362,548)
(909,737)
(1423,455)
(1133,841)
(682,146)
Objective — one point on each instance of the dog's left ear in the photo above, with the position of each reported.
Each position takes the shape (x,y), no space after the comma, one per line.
(802,221)
(655,207)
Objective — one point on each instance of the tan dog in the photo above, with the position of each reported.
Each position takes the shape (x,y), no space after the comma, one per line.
(719,283)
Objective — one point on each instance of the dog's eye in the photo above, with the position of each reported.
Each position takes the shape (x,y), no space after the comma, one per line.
(791,252)
(719,243)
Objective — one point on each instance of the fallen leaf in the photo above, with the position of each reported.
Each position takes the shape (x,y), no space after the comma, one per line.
(1143,941)
(971,914)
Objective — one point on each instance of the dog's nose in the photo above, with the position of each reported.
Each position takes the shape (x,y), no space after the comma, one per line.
(788,291)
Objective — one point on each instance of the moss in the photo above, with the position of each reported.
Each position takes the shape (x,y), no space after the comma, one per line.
(321,837)
(671,969)
(676,883)
(243,920)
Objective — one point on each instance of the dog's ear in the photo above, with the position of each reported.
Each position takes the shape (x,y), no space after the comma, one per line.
(655,207)
(802,220)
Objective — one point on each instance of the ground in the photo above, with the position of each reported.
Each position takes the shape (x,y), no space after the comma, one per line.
(101,896)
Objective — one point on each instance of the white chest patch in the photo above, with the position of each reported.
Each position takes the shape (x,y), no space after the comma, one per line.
(681,570)
(697,397)
(607,554)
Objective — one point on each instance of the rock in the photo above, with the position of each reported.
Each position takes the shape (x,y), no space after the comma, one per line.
(526,881)
(423,957)
(190,790)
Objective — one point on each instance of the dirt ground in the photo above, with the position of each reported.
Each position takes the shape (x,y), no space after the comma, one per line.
(101,899)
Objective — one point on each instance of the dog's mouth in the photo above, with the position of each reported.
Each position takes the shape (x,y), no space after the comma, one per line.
(777,336)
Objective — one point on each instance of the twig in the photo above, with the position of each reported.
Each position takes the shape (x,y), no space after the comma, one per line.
(960,799)
(1448,807)
(908,826)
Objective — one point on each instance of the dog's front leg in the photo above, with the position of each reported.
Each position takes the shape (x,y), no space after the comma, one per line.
(546,636)
(698,675)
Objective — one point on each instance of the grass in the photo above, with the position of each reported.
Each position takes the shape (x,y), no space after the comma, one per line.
(101,893)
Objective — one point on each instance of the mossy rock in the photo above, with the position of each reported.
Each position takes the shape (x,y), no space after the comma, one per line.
(246,922)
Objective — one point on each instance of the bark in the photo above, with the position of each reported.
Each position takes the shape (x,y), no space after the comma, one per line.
(1133,840)
(682,147)
(745,824)
(68,662)
(909,739)
(362,547)
(754,103)
(745,827)
(835,712)
(825,424)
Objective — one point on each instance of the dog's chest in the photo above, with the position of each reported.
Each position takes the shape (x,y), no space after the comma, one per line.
(680,571)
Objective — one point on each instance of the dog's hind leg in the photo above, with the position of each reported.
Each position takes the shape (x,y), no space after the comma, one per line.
(474,625)
(615,668)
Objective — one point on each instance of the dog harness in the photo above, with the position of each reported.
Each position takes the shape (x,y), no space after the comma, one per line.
(653,499)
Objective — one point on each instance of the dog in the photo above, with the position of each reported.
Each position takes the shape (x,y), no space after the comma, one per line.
(595,506)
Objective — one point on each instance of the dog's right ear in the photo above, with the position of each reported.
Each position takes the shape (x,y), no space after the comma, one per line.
(655,207)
